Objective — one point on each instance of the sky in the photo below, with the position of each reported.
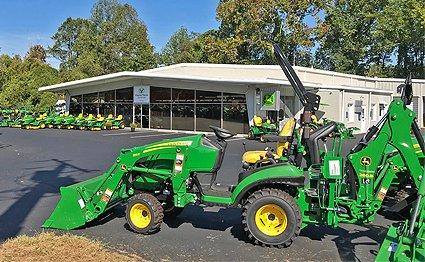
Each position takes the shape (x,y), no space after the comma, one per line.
(26,23)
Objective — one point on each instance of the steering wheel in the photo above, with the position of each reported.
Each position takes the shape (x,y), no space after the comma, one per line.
(221,133)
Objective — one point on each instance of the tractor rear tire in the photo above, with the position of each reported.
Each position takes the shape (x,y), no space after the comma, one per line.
(144,213)
(263,139)
(271,217)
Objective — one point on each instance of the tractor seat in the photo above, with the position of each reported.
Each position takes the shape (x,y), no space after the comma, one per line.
(100,118)
(119,117)
(110,116)
(252,157)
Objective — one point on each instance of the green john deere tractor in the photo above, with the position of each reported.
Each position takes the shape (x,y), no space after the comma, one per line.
(280,196)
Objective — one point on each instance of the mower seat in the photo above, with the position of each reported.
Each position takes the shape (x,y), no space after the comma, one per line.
(119,118)
(110,116)
(258,121)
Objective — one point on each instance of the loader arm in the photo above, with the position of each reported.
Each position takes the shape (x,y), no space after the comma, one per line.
(85,201)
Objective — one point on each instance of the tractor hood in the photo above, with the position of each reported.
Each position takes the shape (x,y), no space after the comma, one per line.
(187,141)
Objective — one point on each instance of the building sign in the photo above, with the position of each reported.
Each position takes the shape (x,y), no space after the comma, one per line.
(141,94)
(271,101)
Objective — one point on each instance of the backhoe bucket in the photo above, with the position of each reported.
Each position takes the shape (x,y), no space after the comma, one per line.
(71,211)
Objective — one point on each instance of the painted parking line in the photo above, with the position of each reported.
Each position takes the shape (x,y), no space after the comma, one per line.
(151,135)
(129,133)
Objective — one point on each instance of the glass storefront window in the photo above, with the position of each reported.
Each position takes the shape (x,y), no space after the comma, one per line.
(124,95)
(160,95)
(106,109)
(183,117)
(160,116)
(75,105)
(207,115)
(234,98)
(208,97)
(138,114)
(126,110)
(235,118)
(90,109)
(107,97)
(183,95)
(91,98)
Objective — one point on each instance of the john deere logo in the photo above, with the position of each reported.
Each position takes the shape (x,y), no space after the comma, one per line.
(365,161)
(269,100)
(141,90)
(123,167)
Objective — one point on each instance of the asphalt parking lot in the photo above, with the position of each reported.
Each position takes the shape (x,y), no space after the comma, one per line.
(34,164)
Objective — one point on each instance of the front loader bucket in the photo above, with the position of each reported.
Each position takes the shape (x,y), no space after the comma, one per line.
(69,212)
(80,203)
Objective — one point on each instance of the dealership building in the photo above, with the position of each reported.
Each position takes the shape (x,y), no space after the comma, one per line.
(191,97)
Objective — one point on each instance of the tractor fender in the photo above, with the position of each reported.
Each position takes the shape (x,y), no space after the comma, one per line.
(284,173)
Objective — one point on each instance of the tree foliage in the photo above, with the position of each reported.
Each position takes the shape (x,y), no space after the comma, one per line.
(181,48)
(21,78)
(373,37)
(113,39)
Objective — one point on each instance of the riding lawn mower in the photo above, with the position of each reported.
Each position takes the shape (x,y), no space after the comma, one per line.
(260,128)
(279,196)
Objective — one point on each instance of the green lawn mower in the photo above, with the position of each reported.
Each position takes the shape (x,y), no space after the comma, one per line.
(33,122)
(279,196)
(57,121)
(95,124)
(68,122)
(260,128)
(48,121)
(5,117)
(16,122)
(114,123)
(81,121)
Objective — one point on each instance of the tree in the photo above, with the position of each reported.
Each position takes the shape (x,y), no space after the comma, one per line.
(113,39)
(375,38)
(180,48)
(23,77)
(124,43)
(65,40)
(37,53)
(251,27)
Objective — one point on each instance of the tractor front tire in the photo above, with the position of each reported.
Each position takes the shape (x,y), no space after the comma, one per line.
(251,135)
(271,217)
(144,213)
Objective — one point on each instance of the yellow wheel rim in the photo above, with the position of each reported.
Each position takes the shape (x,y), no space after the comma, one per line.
(140,215)
(271,220)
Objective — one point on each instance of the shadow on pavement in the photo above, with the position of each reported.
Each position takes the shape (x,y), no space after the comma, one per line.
(345,240)
(35,187)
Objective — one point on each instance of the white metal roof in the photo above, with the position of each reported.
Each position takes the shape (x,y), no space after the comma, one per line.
(228,73)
